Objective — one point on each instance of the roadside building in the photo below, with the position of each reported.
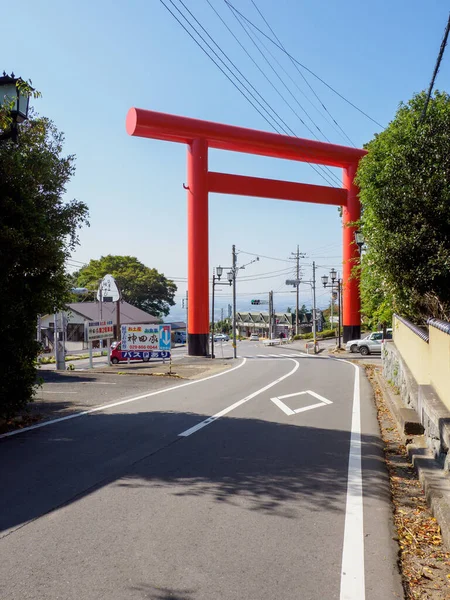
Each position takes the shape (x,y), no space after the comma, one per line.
(78,313)
(284,323)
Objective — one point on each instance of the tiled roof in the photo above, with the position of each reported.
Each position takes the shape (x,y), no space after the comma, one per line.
(128,312)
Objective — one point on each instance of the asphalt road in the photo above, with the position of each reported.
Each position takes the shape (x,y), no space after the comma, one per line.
(265,482)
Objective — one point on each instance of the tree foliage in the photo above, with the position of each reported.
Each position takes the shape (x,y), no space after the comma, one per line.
(38,231)
(141,286)
(405,194)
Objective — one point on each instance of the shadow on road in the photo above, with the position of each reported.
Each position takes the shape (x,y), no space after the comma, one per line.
(260,465)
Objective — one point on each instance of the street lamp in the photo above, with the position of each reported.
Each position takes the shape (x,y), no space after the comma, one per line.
(338,283)
(217,274)
(359,239)
(11,93)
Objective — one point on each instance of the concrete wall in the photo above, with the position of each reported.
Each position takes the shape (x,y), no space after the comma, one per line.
(439,359)
(426,355)
(417,363)
(414,351)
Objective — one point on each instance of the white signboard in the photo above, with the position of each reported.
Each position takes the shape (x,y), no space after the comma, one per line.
(147,338)
(98,330)
(108,290)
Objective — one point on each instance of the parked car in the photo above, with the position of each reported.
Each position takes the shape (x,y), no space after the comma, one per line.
(221,337)
(179,337)
(373,343)
(254,337)
(352,345)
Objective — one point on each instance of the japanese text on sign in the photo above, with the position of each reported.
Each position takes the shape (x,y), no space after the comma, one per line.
(99,330)
(148,338)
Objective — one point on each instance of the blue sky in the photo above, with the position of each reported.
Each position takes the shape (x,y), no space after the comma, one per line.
(93,60)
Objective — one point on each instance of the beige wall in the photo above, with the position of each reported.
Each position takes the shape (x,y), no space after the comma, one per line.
(429,362)
(440,363)
(414,351)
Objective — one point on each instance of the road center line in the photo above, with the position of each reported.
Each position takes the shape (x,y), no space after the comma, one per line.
(225,411)
(352,572)
(119,403)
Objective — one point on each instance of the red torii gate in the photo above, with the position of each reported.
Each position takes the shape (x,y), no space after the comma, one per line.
(201,135)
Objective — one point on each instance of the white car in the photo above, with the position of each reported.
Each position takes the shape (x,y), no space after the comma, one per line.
(352,345)
(254,337)
(371,343)
(374,342)
(221,337)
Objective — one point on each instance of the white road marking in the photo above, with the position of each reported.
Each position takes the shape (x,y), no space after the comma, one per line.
(310,407)
(97,382)
(225,411)
(50,392)
(285,408)
(119,403)
(352,572)
(83,383)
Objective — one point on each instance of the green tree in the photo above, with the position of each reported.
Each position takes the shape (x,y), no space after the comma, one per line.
(38,231)
(405,194)
(141,286)
(223,326)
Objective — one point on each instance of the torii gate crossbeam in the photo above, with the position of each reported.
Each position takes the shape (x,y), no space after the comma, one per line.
(202,135)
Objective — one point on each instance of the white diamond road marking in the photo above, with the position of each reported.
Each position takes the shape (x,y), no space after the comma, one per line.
(288,411)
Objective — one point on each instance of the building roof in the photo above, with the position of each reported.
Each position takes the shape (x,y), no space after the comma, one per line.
(128,313)
(175,325)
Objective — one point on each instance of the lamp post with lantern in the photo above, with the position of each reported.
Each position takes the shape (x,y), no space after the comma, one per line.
(15,94)
(359,240)
(335,282)
(217,274)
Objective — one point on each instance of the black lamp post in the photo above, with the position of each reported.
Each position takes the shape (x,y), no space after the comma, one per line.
(335,282)
(217,271)
(359,240)
(11,94)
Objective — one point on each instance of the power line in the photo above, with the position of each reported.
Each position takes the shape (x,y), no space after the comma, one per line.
(436,69)
(280,79)
(303,66)
(301,74)
(262,256)
(315,168)
(212,59)
(283,97)
(256,64)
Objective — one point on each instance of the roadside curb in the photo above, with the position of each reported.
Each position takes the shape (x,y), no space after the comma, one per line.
(435,482)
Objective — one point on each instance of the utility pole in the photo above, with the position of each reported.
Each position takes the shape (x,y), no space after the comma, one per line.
(314,306)
(297,255)
(212,314)
(234,271)
(339,311)
(271,315)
